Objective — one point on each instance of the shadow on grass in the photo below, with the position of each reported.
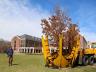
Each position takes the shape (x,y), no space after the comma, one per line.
(15,64)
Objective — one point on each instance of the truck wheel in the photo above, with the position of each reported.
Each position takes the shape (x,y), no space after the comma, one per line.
(91,60)
(85,60)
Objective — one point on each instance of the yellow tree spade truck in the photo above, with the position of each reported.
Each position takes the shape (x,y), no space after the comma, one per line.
(78,55)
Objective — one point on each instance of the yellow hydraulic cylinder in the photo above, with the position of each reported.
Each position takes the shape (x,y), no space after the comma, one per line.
(74,52)
(60,61)
(45,47)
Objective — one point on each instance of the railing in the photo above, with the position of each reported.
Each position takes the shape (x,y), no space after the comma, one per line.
(31,50)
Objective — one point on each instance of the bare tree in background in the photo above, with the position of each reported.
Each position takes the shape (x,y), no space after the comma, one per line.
(4,45)
(60,23)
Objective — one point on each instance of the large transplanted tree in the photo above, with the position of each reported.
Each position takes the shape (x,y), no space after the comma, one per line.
(60,23)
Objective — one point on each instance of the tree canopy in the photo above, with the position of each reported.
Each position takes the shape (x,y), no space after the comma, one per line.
(60,23)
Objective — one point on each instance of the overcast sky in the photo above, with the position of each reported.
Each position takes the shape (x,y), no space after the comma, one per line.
(19,17)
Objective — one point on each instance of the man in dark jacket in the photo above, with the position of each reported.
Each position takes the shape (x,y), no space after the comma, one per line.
(10,55)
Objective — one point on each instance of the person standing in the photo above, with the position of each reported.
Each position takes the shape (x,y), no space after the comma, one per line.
(10,56)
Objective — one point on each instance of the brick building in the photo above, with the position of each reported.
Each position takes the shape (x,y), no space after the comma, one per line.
(24,42)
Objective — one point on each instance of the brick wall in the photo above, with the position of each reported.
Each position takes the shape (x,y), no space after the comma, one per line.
(15,43)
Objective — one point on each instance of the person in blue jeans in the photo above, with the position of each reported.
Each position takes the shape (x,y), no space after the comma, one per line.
(10,55)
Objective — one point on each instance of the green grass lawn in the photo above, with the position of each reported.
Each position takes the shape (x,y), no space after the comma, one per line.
(35,63)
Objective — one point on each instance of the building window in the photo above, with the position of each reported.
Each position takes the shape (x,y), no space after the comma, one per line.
(14,45)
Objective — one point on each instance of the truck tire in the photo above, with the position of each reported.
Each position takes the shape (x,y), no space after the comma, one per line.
(91,60)
(85,60)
